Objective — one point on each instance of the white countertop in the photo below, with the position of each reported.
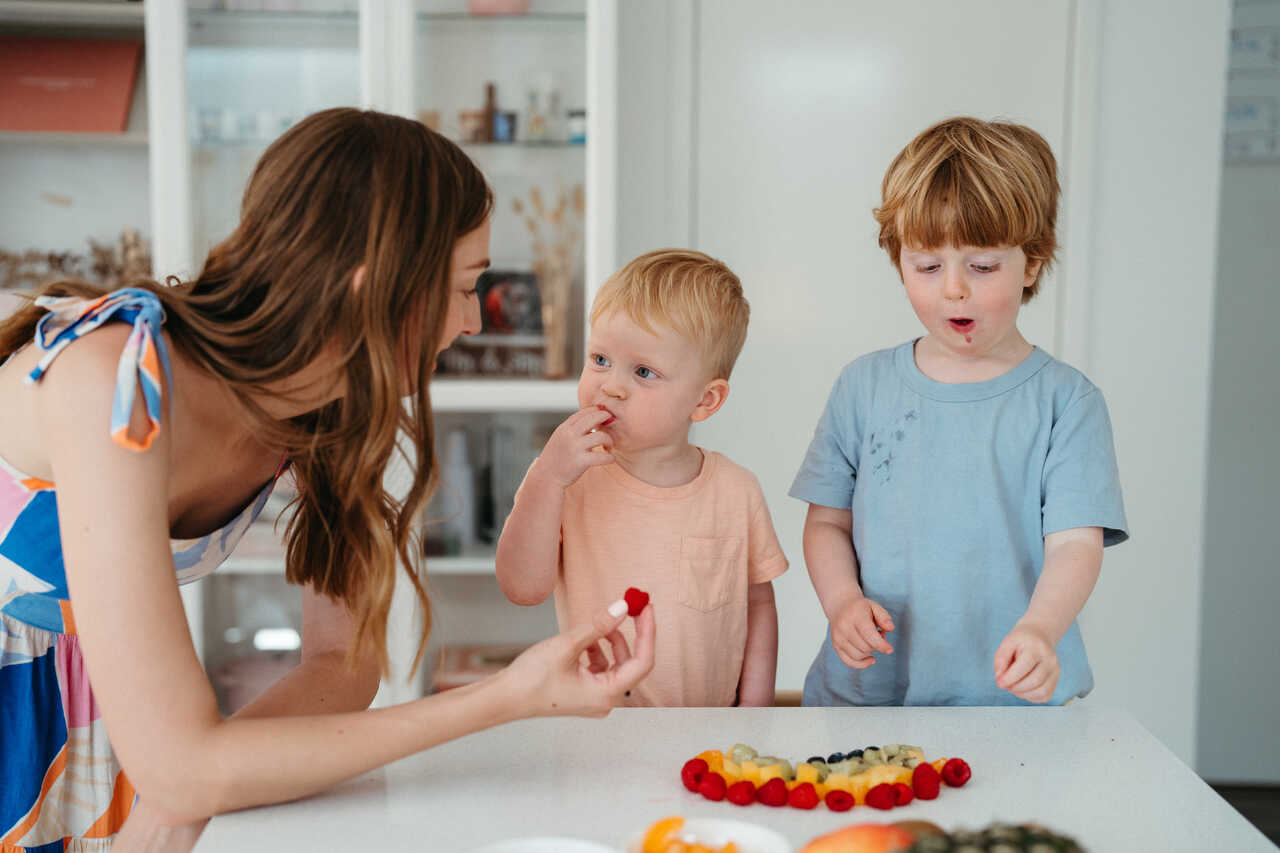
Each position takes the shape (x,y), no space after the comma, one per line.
(1088,771)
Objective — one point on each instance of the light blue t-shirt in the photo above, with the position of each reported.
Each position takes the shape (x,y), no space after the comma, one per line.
(953,488)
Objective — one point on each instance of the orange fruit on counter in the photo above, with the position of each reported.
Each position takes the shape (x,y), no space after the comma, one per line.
(861,838)
(658,838)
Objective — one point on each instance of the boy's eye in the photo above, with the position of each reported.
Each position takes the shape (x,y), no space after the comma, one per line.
(598,360)
(928,268)
(985,268)
(645,373)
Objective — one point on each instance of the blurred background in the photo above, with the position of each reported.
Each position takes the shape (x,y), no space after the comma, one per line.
(757,132)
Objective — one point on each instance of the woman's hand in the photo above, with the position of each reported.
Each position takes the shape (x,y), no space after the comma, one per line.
(569,673)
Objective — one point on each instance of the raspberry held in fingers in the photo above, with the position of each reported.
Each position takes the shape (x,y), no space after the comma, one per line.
(636,601)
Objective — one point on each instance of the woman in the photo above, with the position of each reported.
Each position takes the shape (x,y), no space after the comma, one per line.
(353,267)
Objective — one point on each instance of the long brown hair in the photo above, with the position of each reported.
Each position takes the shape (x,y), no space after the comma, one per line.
(341,189)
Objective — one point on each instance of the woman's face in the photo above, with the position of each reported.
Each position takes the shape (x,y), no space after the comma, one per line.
(470,258)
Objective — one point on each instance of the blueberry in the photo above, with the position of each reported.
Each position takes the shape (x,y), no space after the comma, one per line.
(873,747)
(814,759)
(835,757)
(856,753)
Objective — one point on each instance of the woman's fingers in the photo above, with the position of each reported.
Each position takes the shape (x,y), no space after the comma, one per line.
(621,654)
(596,661)
(640,661)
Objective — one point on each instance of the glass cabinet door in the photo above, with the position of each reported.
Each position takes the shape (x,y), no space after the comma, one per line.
(507,80)
(254,67)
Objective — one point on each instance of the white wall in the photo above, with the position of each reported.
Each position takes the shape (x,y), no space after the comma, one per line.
(797,108)
(1162,70)
(1239,739)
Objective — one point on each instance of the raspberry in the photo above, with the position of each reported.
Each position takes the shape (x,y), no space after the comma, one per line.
(712,786)
(956,772)
(926,781)
(692,772)
(902,793)
(882,796)
(839,801)
(636,600)
(741,793)
(803,796)
(773,793)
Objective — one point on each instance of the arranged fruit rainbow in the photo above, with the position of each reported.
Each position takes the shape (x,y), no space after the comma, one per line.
(878,776)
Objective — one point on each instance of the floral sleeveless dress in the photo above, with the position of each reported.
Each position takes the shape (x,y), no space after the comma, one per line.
(61,787)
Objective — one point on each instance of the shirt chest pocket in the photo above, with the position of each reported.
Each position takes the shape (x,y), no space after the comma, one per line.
(713,572)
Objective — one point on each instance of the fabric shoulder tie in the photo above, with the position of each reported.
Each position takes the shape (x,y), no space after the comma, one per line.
(145,354)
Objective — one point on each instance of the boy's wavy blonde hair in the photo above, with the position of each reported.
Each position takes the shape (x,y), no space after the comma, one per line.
(692,293)
(968,182)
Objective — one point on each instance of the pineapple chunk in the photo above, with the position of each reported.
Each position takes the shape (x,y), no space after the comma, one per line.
(751,772)
(808,773)
(838,781)
(731,772)
(773,771)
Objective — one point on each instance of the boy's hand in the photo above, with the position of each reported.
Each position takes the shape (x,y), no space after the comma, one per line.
(1026,664)
(572,447)
(858,630)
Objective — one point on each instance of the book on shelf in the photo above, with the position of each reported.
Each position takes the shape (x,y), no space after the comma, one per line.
(67,85)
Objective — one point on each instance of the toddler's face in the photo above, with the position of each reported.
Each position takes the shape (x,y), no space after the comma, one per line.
(650,383)
(967,297)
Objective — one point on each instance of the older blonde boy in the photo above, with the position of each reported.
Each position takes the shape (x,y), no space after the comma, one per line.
(961,485)
(619,496)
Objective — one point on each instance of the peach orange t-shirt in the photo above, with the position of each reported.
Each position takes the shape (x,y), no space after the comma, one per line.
(694,548)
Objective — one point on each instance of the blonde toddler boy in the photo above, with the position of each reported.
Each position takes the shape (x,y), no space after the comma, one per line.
(619,496)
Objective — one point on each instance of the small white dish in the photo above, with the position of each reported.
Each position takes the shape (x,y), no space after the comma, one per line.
(545,845)
(715,832)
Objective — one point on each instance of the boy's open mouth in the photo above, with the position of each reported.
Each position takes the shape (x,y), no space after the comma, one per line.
(961,324)
(612,417)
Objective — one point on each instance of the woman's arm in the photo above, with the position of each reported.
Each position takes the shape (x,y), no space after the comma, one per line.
(155,699)
(321,684)
(760,660)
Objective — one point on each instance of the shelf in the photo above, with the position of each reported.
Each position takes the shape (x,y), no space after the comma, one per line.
(65,12)
(124,140)
(504,395)
(273,28)
(477,560)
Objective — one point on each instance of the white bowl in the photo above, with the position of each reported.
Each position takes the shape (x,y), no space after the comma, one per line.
(545,845)
(715,831)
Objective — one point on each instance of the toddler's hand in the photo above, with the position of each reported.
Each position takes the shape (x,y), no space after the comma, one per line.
(1026,664)
(572,447)
(858,630)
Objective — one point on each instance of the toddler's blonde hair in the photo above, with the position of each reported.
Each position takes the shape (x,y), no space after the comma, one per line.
(694,294)
(968,182)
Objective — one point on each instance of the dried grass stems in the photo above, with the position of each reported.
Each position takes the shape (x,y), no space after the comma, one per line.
(555,231)
(110,265)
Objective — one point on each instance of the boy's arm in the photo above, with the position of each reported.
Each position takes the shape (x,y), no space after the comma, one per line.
(858,624)
(760,661)
(1025,663)
(528,557)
